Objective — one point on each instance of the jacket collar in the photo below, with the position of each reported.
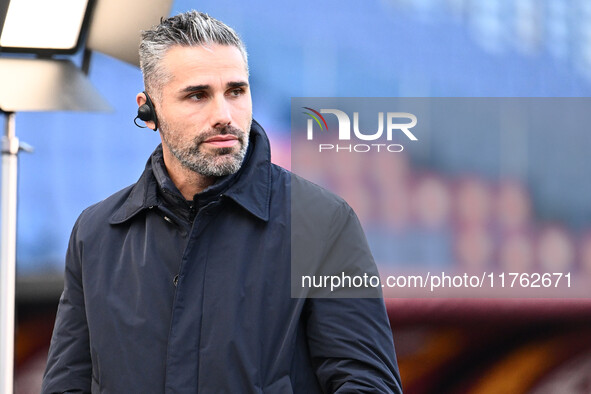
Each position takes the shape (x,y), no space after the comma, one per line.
(250,187)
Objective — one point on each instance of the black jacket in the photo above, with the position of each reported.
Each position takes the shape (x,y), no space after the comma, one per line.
(163,295)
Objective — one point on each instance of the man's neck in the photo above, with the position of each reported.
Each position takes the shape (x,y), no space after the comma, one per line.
(188,182)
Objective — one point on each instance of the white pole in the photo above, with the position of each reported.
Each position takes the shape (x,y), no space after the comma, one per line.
(10,148)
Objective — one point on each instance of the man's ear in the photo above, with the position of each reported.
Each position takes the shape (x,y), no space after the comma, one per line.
(146,111)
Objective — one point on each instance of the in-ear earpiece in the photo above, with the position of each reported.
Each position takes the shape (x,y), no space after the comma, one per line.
(146,112)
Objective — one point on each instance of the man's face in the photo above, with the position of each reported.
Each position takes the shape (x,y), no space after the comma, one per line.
(205,109)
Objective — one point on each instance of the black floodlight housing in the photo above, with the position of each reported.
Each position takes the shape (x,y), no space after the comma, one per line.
(43,27)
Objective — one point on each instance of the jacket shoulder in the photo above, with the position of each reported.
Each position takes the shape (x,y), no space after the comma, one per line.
(102,211)
(327,240)
(311,205)
(307,195)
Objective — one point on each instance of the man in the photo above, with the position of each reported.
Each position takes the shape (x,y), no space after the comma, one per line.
(181,283)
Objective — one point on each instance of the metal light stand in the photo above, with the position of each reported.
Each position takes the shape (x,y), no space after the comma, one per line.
(59,86)
(10,148)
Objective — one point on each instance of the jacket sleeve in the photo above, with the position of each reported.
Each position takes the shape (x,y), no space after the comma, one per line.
(69,367)
(351,347)
(349,336)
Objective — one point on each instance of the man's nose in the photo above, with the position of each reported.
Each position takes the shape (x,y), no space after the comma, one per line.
(221,112)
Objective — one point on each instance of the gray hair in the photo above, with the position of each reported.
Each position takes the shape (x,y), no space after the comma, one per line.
(191,28)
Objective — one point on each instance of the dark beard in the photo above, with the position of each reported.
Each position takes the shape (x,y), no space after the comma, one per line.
(222,161)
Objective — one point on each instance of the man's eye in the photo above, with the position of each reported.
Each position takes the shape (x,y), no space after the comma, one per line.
(237,92)
(197,96)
